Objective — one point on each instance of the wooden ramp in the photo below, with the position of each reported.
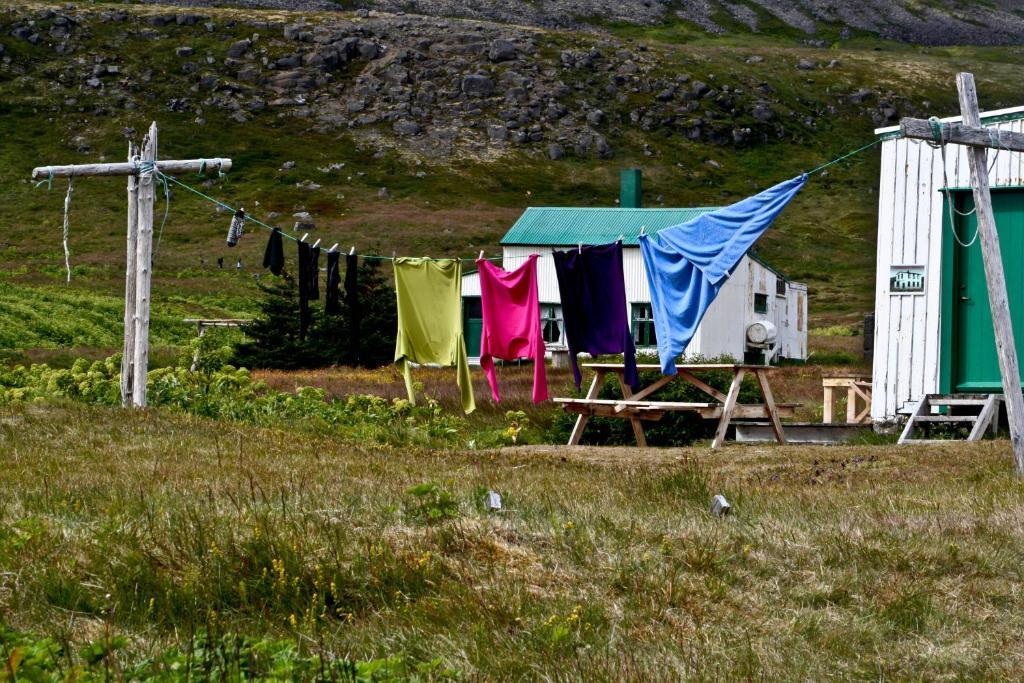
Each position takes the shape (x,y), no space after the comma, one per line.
(964,417)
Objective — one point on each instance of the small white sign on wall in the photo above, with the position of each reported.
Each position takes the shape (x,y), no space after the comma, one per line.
(906,279)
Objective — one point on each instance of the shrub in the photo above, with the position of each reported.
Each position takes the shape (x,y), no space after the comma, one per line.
(232,393)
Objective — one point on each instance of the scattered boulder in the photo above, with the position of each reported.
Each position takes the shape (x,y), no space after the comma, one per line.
(860,96)
(497,133)
(407,127)
(555,152)
(239,48)
(502,51)
(477,85)
(184,52)
(806,65)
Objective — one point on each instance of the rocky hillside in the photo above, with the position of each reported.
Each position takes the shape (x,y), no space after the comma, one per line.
(419,134)
(945,22)
(432,87)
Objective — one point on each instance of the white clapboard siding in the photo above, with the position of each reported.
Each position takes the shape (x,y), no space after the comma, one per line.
(723,329)
(910,224)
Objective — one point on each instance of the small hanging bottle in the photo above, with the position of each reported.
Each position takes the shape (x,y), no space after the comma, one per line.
(237,227)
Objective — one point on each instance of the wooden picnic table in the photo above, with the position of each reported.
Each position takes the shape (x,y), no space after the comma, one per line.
(636,406)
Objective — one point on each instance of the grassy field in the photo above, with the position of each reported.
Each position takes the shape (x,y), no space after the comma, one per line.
(127,533)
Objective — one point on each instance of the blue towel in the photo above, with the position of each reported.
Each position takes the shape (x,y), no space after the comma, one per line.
(687,264)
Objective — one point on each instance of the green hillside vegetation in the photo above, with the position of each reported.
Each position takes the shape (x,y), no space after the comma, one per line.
(443,206)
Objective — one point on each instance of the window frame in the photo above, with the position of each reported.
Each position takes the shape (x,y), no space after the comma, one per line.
(648,339)
(552,313)
(763,298)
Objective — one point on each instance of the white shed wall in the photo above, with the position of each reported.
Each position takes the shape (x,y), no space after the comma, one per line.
(910,220)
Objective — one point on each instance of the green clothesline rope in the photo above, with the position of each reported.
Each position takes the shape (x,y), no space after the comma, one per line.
(844,157)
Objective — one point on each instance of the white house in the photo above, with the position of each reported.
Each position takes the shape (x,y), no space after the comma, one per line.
(933,329)
(755,292)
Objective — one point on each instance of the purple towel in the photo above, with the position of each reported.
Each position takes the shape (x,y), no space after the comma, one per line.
(592,287)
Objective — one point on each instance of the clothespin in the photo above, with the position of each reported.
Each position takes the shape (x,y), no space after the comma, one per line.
(620,238)
(333,248)
(580,246)
(481,256)
(303,238)
(352,250)
(642,229)
(316,243)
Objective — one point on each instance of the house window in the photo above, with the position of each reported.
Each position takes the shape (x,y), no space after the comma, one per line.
(643,325)
(780,287)
(551,323)
(760,303)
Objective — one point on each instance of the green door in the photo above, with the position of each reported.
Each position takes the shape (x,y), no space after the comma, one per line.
(473,324)
(974,360)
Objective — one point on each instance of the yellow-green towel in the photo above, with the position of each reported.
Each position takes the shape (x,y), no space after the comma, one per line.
(429,295)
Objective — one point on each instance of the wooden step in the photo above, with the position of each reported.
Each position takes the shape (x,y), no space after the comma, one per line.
(988,405)
(959,402)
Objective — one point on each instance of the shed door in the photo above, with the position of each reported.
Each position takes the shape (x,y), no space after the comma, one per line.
(975,364)
(473,324)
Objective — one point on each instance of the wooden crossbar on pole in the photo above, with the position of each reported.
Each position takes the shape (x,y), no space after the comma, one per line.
(129,168)
(964,134)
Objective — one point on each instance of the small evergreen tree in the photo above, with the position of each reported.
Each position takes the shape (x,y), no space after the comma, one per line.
(274,335)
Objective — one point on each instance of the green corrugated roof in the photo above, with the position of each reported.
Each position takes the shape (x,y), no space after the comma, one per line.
(567,225)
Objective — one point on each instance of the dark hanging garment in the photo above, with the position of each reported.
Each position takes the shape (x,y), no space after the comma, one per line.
(273,257)
(592,287)
(309,287)
(332,303)
(352,304)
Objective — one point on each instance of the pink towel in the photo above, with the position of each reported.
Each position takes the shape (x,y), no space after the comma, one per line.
(511,322)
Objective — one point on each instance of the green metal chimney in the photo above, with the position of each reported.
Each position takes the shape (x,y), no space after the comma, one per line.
(630,188)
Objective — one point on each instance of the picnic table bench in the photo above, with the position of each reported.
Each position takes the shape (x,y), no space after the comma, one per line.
(635,406)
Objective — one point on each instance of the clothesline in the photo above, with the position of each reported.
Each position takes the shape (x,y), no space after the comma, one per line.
(260,223)
(247,217)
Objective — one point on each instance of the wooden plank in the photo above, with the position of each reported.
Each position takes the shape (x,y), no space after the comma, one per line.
(702,385)
(947,418)
(769,400)
(908,429)
(984,419)
(728,408)
(826,409)
(993,262)
(883,300)
(143,272)
(660,405)
(619,367)
(638,429)
(650,389)
(128,350)
(581,421)
(967,133)
(130,168)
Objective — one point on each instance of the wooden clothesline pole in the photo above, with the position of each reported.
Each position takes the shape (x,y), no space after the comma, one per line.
(978,140)
(139,253)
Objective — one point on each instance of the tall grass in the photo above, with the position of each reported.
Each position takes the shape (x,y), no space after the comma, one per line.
(853,562)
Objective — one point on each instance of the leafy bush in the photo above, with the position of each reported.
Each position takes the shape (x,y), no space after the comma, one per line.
(205,657)
(231,393)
